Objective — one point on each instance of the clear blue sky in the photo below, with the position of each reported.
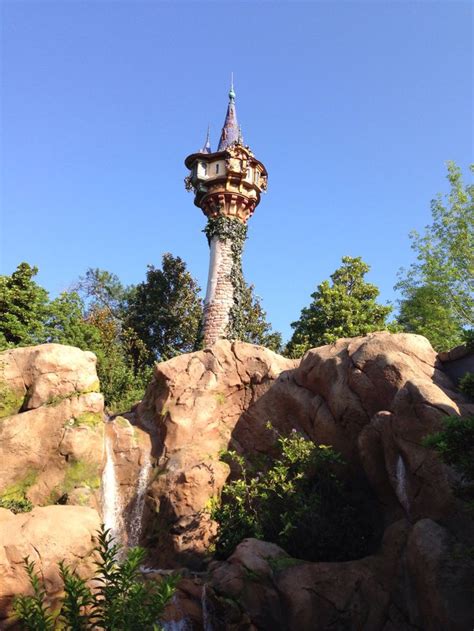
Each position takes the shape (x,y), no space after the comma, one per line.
(353,107)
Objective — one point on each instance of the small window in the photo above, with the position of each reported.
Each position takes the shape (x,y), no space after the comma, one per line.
(247,174)
(257,175)
(217,168)
(204,168)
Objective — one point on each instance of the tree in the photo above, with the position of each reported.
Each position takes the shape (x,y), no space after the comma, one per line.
(23,308)
(165,310)
(439,288)
(253,325)
(428,312)
(66,323)
(103,290)
(345,308)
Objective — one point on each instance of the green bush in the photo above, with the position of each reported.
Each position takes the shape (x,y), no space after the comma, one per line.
(455,444)
(122,601)
(466,384)
(16,505)
(296,501)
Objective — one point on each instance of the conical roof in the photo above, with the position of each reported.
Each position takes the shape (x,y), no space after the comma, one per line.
(230,131)
(207,144)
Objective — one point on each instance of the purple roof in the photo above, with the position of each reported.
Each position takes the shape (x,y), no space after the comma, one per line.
(230,132)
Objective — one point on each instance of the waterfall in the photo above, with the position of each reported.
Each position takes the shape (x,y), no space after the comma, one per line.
(111,508)
(136,518)
(206,610)
(401,484)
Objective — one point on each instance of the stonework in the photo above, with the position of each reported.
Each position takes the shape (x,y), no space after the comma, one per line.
(220,292)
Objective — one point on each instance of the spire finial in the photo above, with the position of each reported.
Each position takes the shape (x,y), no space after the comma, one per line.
(231,91)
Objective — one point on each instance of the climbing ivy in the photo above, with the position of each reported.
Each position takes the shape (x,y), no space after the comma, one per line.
(228,228)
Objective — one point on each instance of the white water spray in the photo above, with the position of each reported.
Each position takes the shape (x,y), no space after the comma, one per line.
(136,519)
(111,508)
(206,610)
(401,484)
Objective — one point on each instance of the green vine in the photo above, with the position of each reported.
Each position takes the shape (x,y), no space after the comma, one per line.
(228,228)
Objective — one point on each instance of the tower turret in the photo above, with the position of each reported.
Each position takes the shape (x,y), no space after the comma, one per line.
(227,185)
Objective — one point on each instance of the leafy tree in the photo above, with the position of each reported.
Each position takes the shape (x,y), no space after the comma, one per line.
(254,327)
(103,290)
(344,308)
(121,361)
(427,311)
(165,310)
(121,600)
(438,290)
(66,323)
(23,308)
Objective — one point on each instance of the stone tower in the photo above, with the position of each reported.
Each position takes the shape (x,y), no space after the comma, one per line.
(227,184)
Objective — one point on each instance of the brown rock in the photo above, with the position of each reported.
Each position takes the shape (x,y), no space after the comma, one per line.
(45,535)
(54,444)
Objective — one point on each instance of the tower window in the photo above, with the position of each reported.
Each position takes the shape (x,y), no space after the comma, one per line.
(257,175)
(217,168)
(204,168)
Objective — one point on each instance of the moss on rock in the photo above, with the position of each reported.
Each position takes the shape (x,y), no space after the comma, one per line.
(81,473)
(11,400)
(14,497)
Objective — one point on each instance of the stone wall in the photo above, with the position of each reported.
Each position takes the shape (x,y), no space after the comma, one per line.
(220,291)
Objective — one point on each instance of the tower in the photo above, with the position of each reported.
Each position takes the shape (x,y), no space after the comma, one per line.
(227,184)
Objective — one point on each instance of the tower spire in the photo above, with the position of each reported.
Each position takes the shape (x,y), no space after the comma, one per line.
(207,145)
(230,130)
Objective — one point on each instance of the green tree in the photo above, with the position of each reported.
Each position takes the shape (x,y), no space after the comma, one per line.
(103,290)
(439,286)
(253,325)
(165,310)
(23,308)
(346,307)
(66,323)
(427,311)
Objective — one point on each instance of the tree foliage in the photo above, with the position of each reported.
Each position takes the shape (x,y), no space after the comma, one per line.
(165,310)
(23,308)
(438,289)
(346,307)
(254,327)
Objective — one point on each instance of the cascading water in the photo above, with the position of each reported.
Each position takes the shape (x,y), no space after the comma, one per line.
(111,508)
(206,610)
(401,484)
(136,519)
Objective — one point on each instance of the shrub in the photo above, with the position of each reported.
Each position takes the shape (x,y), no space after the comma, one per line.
(455,444)
(121,601)
(295,501)
(466,384)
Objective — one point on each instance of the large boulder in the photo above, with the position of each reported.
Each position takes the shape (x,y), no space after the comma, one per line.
(51,430)
(191,409)
(45,535)
(373,399)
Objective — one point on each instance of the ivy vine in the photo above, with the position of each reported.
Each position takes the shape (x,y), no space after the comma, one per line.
(233,230)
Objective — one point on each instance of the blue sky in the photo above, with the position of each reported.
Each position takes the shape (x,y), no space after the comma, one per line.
(354,108)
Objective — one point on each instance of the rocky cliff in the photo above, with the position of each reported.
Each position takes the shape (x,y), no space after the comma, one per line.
(373,399)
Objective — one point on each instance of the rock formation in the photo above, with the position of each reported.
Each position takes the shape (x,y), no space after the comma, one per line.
(373,399)
(51,445)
